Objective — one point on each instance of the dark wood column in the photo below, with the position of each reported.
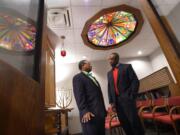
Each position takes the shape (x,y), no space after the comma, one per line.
(164,41)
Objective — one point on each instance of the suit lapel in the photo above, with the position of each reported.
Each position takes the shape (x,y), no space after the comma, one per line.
(97,82)
(120,75)
(111,76)
(92,80)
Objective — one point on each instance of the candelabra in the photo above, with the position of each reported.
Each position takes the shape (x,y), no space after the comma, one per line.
(64,98)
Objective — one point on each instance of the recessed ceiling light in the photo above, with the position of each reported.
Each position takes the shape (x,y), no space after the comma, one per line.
(139,52)
(84,57)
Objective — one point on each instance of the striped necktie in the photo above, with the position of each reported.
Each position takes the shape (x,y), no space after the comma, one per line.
(93,78)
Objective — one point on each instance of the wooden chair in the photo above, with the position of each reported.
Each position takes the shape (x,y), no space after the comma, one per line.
(112,123)
(139,104)
(153,107)
(174,114)
(146,106)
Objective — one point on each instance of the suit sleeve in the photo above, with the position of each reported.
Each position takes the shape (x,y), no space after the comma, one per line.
(80,97)
(109,91)
(134,82)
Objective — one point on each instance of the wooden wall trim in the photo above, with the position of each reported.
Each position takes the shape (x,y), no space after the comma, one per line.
(164,41)
(47,65)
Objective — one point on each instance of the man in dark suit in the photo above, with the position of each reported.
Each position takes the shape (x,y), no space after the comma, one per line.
(123,86)
(89,99)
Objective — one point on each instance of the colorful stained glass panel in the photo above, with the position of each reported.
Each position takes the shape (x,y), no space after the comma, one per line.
(112,28)
(16,34)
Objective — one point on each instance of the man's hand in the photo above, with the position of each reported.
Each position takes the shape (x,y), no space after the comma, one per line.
(113,107)
(87,116)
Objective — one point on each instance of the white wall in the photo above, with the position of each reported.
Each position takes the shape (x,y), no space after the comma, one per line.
(174,20)
(142,66)
(65,73)
(158,61)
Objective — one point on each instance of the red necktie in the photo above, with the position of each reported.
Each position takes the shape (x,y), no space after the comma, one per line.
(115,77)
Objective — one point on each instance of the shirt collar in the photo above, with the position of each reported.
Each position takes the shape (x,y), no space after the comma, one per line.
(87,73)
(116,67)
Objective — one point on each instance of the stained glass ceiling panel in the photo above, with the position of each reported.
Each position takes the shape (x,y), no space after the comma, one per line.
(112,28)
(16,34)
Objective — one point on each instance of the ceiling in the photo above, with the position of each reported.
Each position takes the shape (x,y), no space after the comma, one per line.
(164,7)
(82,10)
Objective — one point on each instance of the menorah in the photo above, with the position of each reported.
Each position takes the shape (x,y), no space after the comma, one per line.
(64,98)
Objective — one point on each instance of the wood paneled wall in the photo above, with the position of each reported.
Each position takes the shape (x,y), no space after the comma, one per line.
(20,103)
(164,41)
(47,78)
(50,89)
(156,80)
(48,71)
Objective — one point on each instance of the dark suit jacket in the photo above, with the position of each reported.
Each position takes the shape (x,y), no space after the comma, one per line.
(88,96)
(127,83)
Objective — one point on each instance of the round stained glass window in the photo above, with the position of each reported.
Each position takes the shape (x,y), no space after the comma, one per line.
(16,34)
(112,28)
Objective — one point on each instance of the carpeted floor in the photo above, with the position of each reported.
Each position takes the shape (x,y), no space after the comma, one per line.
(150,130)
